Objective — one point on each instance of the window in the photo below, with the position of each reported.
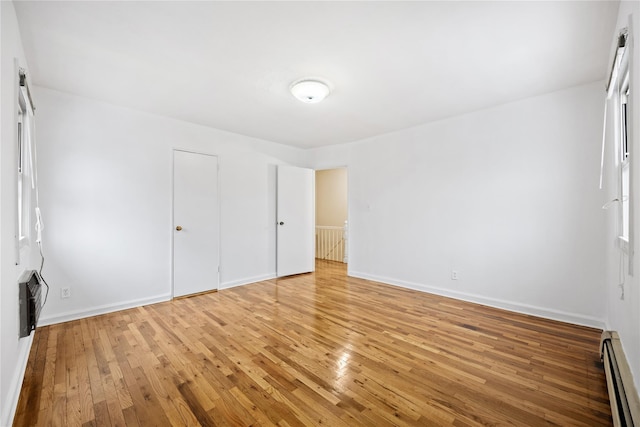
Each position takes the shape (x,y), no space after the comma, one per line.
(623,148)
(619,97)
(619,104)
(24,170)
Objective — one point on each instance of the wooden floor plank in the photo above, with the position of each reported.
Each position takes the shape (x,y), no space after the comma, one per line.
(314,349)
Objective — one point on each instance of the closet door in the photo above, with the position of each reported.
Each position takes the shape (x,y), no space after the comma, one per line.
(196,230)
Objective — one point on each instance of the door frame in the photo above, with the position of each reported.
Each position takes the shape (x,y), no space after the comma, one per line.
(219,202)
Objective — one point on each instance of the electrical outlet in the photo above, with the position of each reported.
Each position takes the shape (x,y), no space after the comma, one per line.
(454,275)
(65,292)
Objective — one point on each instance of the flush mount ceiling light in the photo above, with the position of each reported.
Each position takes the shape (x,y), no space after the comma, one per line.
(310,91)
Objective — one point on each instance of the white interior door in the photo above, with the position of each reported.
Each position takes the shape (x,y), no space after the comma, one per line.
(196,231)
(296,221)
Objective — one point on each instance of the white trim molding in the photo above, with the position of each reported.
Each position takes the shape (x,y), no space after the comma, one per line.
(15,387)
(562,316)
(247,281)
(102,309)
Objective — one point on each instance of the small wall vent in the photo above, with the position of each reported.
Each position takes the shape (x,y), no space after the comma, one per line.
(30,289)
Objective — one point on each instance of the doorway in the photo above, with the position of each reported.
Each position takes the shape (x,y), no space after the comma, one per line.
(196,219)
(332,215)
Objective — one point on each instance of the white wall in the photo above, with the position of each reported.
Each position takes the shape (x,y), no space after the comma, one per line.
(624,315)
(506,196)
(13,350)
(106,197)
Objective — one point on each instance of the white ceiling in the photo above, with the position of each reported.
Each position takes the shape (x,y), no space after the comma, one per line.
(392,65)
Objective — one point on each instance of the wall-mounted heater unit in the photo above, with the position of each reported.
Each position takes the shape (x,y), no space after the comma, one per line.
(30,289)
(624,399)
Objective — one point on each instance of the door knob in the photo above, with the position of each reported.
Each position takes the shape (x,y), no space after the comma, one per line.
(179,228)
(281,222)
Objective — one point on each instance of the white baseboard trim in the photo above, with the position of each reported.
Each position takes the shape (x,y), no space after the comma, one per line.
(11,404)
(110,308)
(562,316)
(247,281)
(102,309)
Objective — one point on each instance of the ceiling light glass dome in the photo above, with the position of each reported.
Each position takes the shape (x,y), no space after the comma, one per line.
(310,91)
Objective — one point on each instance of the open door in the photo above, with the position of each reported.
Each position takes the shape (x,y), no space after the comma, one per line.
(296,221)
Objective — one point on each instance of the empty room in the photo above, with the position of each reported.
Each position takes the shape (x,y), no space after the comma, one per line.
(318,213)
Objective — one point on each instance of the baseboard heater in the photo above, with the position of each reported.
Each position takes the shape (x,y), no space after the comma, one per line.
(30,290)
(625,403)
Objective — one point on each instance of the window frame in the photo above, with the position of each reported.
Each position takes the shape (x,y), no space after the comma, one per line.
(624,155)
(23,176)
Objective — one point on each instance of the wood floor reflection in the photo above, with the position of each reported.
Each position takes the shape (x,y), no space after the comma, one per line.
(315,349)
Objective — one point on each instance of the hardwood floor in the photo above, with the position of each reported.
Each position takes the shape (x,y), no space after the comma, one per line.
(316,349)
